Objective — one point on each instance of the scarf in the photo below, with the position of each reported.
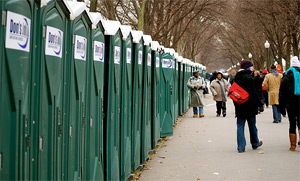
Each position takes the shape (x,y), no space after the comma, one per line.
(275,72)
(296,79)
(222,90)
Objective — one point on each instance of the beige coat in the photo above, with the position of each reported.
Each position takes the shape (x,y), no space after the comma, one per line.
(197,98)
(272,85)
(215,87)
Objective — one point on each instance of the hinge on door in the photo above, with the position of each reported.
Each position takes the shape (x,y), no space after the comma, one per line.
(84,121)
(0,160)
(3,18)
(73,39)
(91,122)
(41,144)
(44,31)
(28,141)
(60,129)
(70,131)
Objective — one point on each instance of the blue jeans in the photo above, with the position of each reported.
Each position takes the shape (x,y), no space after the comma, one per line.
(276,113)
(196,110)
(241,141)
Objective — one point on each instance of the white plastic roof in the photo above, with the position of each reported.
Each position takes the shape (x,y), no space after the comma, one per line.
(110,27)
(147,39)
(44,2)
(125,30)
(176,55)
(154,45)
(75,8)
(96,17)
(137,35)
(180,58)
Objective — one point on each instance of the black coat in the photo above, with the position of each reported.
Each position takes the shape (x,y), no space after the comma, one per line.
(258,86)
(287,99)
(249,108)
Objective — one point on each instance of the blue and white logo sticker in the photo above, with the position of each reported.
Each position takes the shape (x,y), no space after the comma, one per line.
(167,63)
(17,32)
(99,51)
(128,55)
(54,42)
(117,52)
(149,59)
(80,47)
(157,62)
(140,58)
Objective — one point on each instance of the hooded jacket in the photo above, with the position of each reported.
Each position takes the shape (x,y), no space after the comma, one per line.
(272,85)
(246,81)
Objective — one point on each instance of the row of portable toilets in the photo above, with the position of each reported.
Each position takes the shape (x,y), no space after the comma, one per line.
(82,98)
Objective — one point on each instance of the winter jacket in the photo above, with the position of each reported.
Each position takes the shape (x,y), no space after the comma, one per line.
(272,85)
(244,79)
(197,98)
(287,98)
(232,78)
(215,87)
(258,86)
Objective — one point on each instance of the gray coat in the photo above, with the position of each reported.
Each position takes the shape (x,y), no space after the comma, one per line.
(196,93)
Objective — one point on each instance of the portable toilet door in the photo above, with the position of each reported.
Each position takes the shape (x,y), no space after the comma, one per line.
(137,99)
(16,156)
(155,94)
(51,32)
(126,101)
(166,83)
(112,101)
(94,168)
(76,88)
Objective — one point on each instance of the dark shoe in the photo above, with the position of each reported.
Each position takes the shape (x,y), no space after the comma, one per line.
(218,115)
(280,121)
(260,143)
(275,122)
(293,140)
(224,114)
(284,115)
(298,143)
(241,151)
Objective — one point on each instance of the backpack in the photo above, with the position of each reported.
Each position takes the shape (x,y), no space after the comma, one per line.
(238,94)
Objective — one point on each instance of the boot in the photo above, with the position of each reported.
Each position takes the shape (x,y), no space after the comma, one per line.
(201,115)
(195,115)
(299,138)
(293,140)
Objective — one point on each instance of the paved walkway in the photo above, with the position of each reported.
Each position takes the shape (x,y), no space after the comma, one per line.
(205,149)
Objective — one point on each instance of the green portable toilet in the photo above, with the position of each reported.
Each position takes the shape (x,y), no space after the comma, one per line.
(137,66)
(126,102)
(176,89)
(166,87)
(112,94)
(94,168)
(50,60)
(185,88)
(77,88)
(146,99)
(155,94)
(16,136)
(180,88)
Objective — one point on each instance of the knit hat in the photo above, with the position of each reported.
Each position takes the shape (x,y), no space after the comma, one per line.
(278,67)
(273,66)
(295,62)
(246,64)
(265,71)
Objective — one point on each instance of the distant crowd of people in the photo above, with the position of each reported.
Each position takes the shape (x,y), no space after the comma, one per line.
(276,88)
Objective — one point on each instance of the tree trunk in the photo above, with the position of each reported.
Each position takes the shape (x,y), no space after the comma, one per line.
(142,16)
(93,7)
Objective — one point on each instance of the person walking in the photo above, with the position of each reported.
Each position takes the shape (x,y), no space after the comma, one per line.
(248,110)
(289,98)
(219,87)
(213,76)
(265,92)
(272,84)
(197,85)
(232,76)
(258,80)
